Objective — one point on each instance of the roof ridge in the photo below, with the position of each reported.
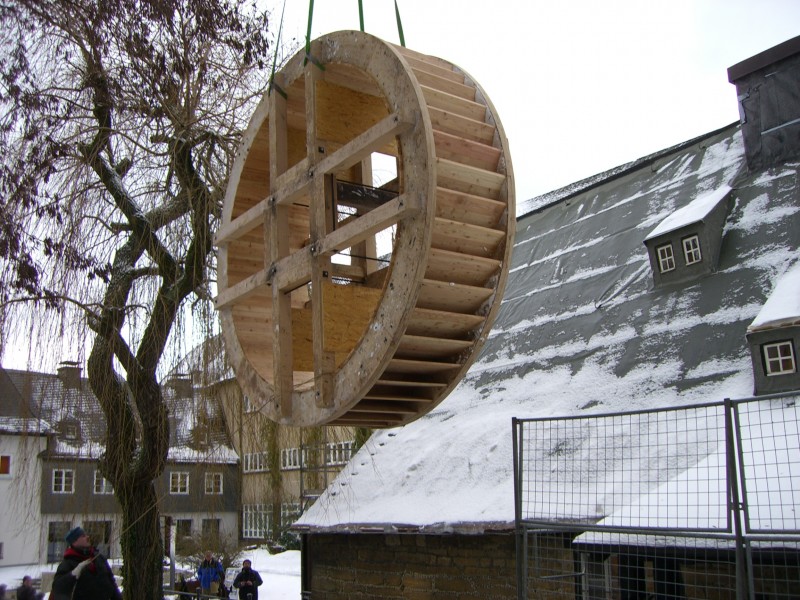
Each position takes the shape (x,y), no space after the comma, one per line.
(573,189)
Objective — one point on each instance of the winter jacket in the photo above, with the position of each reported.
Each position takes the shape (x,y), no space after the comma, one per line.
(208,571)
(244,577)
(96,581)
(26,592)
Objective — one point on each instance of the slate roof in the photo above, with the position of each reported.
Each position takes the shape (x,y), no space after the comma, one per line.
(582,330)
(43,403)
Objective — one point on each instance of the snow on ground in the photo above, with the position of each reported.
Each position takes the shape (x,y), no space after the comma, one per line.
(280,572)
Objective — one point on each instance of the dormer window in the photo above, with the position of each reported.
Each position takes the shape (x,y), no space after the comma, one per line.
(779,358)
(774,337)
(691,250)
(686,244)
(666,258)
(71,431)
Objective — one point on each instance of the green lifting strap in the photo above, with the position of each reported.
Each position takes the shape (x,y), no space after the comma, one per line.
(272,83)
(399,25)
(360,21)
(308,56)
(308,31)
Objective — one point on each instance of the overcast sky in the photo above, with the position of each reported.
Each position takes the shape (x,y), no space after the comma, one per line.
(580,86)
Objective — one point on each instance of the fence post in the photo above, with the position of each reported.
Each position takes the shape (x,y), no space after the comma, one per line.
(520,535)
(734,497)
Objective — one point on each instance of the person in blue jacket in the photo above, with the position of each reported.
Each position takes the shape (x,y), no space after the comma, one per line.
(210,574)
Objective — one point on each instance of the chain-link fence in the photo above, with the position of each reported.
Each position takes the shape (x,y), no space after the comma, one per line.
(693,502)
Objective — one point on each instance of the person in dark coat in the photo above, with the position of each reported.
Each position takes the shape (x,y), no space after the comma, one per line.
(26,591)
(84,574)
(247,582)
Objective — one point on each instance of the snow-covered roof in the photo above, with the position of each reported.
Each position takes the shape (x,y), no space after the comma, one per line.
(581,331)
(696,499)
(782,309)
(697,210)
(26,425)
(198,429)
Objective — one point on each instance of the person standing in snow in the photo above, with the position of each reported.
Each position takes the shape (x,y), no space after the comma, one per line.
(84,574)
(26,591)
(210,573)
(247,582)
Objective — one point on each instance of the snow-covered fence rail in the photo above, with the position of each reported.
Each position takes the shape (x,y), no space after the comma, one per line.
(696,501)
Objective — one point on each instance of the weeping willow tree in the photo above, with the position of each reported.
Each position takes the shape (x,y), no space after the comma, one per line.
(118,126)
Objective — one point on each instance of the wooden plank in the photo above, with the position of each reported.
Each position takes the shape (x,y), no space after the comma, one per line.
(348,310)
(295,269)
(378,406)
(410,383)
(292,184)
(471,129)
(443,84)
(352,78)
(466,239)
(439,295)
(419,347)
(292,271)
(245,223)
(396,396)
(454,104)
(468,208)
(363,145)
(445,71)
(368,225)
(276,246)
(241,290)
(372,420)
(356,273)
(472,180)
(439,323)
(433,60)
(445,265)
(343,113)
(407,366)
(468,152)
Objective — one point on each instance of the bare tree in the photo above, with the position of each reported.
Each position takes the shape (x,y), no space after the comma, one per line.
(119,122)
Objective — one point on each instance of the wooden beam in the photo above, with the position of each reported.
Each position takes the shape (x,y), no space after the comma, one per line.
(276,246)
(241,290)
(363,145)
(368,225)
(243,224)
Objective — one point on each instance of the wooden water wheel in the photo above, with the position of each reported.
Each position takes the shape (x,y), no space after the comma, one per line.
(366,235)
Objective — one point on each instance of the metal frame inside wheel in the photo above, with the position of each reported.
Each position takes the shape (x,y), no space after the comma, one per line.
(343,301)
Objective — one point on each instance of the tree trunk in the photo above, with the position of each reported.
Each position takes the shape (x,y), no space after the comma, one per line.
(141,538)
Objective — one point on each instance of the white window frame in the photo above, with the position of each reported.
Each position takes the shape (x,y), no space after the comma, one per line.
(666,258)
(292,459)
(179,483)
(691,250)
(63,481)
(255,462)
(71,431)
(102,486)
(8,459)
(247,405)
(338,453)
(213,483)
(255,521)
(782,361)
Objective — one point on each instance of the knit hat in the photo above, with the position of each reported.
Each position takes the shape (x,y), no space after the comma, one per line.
(74,534)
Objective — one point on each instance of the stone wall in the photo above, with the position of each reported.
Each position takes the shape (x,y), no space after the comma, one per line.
(410,566)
